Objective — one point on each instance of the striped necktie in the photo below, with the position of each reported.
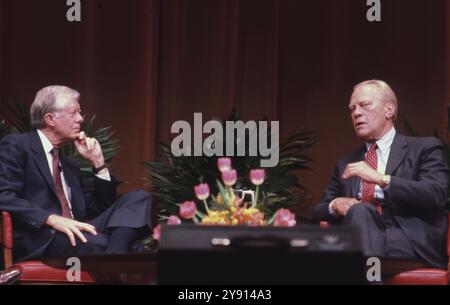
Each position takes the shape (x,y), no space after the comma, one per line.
(368,189)
(65,208)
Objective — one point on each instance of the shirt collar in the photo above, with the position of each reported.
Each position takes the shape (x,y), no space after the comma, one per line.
(45,142)
(385,142)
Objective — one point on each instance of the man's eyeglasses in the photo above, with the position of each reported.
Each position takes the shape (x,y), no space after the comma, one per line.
(70,114)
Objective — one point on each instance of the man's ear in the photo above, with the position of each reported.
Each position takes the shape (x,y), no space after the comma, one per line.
(49,119)
(390,111)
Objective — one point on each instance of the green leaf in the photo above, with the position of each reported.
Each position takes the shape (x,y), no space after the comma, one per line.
(223,192)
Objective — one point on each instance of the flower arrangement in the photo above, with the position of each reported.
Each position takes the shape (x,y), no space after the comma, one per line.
(229,206)
(171,179)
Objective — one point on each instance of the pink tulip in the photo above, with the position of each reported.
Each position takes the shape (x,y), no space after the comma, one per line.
(257,176)
(173,220)
(202,191)
(157,232)
(284,218)
(224,164)
(229,177)
(188,209)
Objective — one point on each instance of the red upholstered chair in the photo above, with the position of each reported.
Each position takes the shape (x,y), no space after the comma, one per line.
(424,276)
(95,269)
(419,276)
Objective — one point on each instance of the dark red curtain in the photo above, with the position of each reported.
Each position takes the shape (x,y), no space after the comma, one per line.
(143,64)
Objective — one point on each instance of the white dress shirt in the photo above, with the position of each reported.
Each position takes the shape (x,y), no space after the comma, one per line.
(384,148)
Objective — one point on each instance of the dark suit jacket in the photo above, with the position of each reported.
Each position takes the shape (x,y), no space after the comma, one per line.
(416,195)
(28,192)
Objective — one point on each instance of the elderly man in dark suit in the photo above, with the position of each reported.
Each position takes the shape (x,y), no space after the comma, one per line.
(393,188)
(55,211)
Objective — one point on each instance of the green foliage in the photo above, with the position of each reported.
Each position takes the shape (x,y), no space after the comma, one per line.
(173,178)
(17,119)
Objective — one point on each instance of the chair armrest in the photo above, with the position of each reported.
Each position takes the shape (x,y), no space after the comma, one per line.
(6,237)
(6,230)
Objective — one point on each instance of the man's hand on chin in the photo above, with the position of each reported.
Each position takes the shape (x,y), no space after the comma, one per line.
(90,149)
(363,171)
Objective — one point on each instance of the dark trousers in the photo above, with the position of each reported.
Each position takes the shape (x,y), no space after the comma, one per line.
(381,236)
(124,223)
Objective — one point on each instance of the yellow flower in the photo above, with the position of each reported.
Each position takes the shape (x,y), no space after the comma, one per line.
(217,217)
(249,216)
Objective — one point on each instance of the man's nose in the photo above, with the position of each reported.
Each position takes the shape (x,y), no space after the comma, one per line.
(80,118)
(356,112)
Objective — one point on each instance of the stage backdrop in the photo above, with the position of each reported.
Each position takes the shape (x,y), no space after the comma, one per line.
(141,65)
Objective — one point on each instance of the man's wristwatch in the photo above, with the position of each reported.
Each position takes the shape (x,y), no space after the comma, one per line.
(97,170)
(385,180)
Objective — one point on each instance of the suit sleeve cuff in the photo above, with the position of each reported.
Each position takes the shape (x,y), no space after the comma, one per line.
(40,219)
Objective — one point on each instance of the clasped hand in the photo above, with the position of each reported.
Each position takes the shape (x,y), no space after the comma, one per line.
(361,169)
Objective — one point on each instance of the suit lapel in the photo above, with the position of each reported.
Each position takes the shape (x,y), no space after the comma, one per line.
(398,151)
(41,160)
(355,181)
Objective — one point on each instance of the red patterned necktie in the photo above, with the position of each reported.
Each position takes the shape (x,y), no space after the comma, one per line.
(65,209)
(368,189)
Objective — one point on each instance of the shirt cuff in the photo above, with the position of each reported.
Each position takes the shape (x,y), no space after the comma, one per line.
(330,209)
(105,175)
